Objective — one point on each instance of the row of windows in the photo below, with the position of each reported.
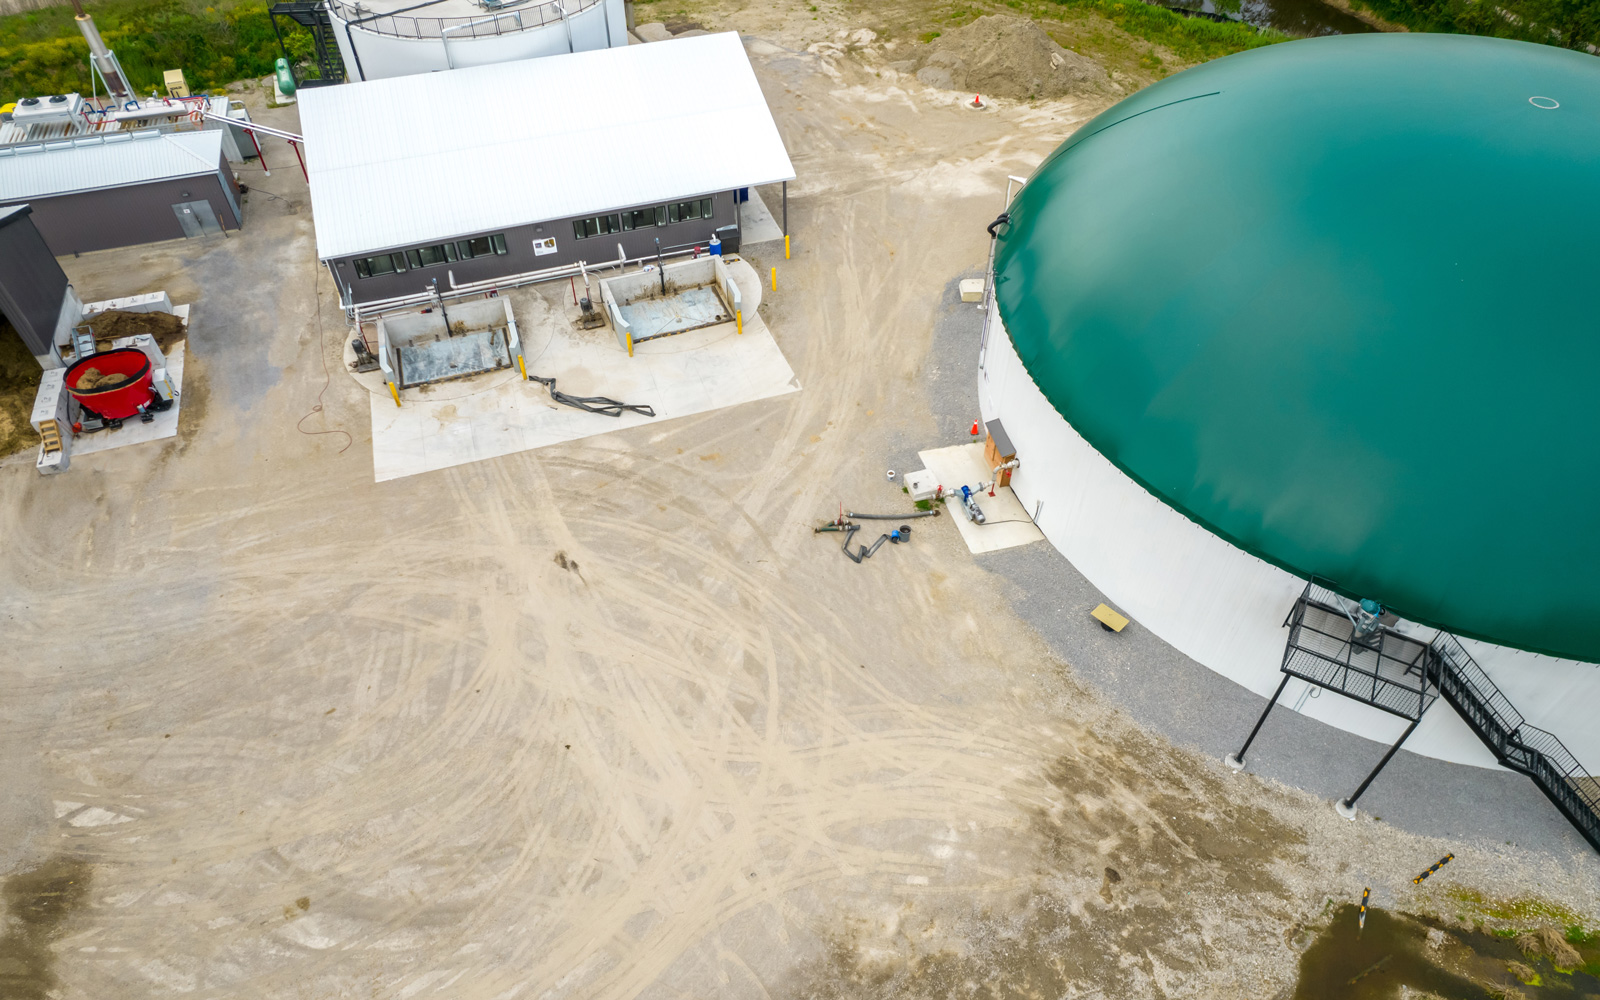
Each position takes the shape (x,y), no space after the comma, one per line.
(442,253)
(642,218)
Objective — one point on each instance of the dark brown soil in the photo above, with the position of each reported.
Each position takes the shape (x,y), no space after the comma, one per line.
(112,324)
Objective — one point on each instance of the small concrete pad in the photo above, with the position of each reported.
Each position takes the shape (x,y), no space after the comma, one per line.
(1006,524)
(756,224)
(971,289)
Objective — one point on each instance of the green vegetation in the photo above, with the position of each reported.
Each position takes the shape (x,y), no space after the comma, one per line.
(1193,40)
(1574,24)
(41,51)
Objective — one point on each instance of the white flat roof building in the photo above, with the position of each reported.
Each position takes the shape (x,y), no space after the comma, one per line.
(409,160)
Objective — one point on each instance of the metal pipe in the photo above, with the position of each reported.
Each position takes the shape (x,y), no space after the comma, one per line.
(1347,807)
(562,10)
(786,208)
(892,517)
(110,69)
(1236,760)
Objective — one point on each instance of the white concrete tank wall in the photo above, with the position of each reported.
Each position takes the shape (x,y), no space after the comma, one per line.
(382,55)
(1220,605)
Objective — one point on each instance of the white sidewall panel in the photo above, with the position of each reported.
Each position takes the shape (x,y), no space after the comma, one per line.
(1220,605)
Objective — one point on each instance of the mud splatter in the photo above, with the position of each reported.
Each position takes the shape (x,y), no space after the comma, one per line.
(38,903)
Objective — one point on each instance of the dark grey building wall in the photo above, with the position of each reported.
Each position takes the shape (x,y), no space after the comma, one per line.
(519,256)
(32,284)
(127,216)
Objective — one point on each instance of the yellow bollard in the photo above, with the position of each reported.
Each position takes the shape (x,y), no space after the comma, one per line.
(738,318)
(395,393)
(523,366)
(630,343)
(785,246)
(774,279)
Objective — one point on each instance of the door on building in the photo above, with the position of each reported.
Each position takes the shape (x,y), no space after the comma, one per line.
(197,218)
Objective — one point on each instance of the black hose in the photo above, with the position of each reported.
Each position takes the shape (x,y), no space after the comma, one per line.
(893,517)
(1003,220)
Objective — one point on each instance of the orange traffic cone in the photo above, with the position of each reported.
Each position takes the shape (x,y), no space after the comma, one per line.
(974,428)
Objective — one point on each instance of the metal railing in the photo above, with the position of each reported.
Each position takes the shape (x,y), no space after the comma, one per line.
(519,18)
(1524,748)
(1403,675)
(1386,670)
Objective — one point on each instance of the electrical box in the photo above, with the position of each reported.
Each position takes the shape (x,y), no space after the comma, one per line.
(971,289)
(998,450)
(177,86)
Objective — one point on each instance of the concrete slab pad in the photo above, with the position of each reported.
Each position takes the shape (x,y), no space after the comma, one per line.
(1006,524)
(493,415)
(135,431)
(756,223)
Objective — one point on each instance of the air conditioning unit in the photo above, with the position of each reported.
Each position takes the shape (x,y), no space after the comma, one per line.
(58,107)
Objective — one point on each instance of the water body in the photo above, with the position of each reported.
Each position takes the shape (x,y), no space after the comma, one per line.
(1300,18)
(1392,957)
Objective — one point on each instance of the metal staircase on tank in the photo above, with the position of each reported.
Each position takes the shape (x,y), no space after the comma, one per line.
(1337,647)
(313,16)
(1522,748)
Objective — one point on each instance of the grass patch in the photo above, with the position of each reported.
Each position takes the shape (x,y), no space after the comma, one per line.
(1193,40)
(1573,24)
(41,51)
(1523,912)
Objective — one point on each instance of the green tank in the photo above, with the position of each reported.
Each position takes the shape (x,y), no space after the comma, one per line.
(1334,300)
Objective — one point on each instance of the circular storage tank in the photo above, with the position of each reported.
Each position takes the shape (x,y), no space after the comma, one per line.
(115,384)
(1325,309)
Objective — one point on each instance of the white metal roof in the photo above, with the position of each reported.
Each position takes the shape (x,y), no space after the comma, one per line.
(409,159)
(90,163)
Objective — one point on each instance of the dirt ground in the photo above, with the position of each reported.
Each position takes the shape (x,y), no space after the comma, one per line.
(606,720)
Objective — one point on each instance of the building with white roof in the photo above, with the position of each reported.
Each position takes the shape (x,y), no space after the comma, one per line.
(120,189)
(443,177)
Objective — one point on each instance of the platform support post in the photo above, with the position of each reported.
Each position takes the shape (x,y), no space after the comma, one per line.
(1236,760)
(1347,807)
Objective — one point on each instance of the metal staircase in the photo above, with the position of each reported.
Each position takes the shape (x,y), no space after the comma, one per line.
(313,16)
(1516,745)
(1403,676)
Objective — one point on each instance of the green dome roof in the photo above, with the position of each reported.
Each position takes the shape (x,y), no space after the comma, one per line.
(1336,300)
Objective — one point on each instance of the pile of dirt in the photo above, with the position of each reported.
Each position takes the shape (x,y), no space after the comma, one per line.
(114,323)
(1008,57)
(92,378)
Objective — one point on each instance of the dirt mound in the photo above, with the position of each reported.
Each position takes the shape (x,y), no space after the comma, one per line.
(114,323)
(1008,57)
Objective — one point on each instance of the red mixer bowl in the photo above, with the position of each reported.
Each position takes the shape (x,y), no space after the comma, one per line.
(118,401)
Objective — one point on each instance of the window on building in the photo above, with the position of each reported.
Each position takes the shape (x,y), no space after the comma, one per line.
(639,218)
(384,263)
(481,246)
(600,225)
(445,253)
(688,211)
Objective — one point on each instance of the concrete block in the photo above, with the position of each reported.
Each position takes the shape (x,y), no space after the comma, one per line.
(655,31)
(922,484)
(972,289)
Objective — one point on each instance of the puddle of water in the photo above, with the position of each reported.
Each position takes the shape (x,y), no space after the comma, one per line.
(1393,958)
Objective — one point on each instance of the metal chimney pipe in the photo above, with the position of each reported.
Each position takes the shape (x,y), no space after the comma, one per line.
(104,61)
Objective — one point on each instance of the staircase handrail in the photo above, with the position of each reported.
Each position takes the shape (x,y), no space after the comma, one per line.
(1513,730)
